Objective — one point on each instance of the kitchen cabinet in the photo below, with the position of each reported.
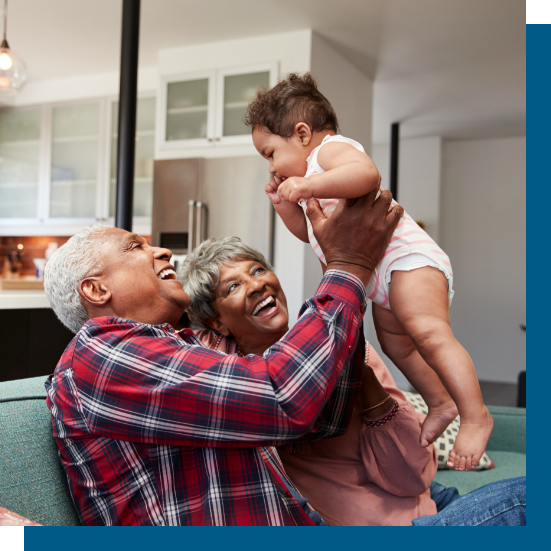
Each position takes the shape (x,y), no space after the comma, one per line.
(20,155)
(143,165)
(206,109)
(58,166)
(74,160)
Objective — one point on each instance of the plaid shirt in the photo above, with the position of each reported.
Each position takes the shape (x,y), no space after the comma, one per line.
(154,429)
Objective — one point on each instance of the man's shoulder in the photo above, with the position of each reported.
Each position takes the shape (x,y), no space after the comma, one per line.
(120,328)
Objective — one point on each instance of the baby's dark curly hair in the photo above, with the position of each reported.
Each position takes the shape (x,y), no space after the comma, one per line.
(293,99)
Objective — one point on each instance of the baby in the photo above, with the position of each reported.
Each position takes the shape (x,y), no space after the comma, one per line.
(295,129)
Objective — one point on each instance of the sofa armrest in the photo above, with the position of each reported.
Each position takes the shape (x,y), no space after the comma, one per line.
(509,432)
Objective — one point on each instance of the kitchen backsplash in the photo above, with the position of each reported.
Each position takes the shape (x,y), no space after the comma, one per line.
(33,247)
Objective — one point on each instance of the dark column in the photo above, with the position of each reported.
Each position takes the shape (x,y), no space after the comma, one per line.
(394,141)
(127,113)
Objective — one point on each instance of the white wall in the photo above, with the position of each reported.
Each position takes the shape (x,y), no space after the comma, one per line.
(349,90)
(483,230)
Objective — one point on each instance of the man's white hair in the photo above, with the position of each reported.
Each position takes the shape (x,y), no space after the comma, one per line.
(78,259)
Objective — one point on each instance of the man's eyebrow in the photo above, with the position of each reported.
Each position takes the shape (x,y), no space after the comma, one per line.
(133,237)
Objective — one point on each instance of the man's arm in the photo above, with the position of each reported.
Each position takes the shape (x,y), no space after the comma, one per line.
(137,383)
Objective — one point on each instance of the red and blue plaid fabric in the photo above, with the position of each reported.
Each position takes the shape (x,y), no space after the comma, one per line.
(154,429)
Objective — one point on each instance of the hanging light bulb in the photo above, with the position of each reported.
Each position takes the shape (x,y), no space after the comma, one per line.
(13,71)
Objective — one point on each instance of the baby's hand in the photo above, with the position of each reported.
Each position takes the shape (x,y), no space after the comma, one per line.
(294,189)
(271,190)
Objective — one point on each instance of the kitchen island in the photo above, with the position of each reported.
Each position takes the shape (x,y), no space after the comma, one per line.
(32,339)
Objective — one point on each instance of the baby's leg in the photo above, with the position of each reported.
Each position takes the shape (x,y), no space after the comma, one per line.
(419,301)
(400,348)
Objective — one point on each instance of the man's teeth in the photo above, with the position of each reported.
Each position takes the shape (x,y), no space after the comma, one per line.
(165,273)
(261,305)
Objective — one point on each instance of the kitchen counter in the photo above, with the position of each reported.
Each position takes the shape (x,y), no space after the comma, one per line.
(23,299)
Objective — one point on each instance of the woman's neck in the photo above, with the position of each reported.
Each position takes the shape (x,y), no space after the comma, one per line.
(259,345)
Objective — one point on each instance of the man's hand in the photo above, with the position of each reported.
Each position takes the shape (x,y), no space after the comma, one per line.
(356,235)
(294,189)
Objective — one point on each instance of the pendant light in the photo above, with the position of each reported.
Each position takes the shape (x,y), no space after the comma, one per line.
(13,71)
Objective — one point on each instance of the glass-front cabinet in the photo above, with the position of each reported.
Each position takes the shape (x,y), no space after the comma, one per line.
(144,156)
(207,109)
(58,166)
(20,149)
(58,161)
(74,161)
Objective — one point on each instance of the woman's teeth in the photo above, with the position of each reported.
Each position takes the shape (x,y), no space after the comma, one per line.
(261,305)
(168,273)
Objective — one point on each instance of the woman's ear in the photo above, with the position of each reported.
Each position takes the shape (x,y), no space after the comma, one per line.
(217,325)
(303,132)
(94,291)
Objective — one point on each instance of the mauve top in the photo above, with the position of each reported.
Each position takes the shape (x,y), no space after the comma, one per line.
(376,474)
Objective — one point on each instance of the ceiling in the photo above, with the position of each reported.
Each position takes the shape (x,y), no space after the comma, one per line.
(454,68)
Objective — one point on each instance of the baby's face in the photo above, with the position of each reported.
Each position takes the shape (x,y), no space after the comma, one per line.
(287,156)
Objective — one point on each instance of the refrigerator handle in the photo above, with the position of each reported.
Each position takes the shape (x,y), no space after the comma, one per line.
(199,226)
(190,235)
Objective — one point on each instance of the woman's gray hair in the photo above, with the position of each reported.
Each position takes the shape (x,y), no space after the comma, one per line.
(200,273)
(78,259)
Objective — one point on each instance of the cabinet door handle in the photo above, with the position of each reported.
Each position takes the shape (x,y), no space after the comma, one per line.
(217,139)
(209,139)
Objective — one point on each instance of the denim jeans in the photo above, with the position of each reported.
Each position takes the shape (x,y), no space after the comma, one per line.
(501,503)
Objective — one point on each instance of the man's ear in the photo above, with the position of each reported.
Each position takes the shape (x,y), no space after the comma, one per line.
(217,325)
(94,291)
(303,132)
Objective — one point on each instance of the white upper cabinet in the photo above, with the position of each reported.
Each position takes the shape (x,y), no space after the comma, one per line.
(58,167)
(206,110)
(20,147)
(74,164)
(143,164)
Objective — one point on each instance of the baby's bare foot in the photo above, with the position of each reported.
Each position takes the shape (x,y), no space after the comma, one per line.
(438,419)
(471,442)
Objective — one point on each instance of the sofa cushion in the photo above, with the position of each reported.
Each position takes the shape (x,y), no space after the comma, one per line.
(507,465)
(32,480)
(509,433)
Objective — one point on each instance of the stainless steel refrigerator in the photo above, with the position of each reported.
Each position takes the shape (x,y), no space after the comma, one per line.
(194,199)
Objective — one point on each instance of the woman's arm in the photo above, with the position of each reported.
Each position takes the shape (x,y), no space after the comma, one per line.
(391,453)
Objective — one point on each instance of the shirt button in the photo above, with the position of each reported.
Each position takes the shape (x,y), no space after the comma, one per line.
(289,494)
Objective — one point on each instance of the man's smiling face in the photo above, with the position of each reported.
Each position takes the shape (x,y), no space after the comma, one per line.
(139,280)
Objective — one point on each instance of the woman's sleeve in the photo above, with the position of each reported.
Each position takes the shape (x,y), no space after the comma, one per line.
(390,448)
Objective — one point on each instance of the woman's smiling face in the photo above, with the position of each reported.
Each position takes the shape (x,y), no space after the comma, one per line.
(251,306)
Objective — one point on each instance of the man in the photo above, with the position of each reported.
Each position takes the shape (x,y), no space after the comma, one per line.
(152,428)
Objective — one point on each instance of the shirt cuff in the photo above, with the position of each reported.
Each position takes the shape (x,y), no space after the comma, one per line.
(344,287)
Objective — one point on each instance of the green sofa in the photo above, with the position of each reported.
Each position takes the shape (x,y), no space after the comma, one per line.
(33,484)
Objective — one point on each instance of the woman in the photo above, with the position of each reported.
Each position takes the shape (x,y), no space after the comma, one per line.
(377,467)
(376,473)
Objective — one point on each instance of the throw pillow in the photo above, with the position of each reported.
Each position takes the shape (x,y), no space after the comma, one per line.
(444,444)
(9,518)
